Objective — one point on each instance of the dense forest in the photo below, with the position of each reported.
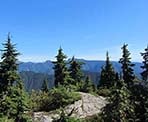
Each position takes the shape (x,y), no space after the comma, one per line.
(127,96)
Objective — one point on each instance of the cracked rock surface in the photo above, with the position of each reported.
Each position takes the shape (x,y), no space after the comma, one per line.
(88,105)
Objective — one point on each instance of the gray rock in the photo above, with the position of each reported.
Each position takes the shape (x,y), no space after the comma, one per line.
(88,105)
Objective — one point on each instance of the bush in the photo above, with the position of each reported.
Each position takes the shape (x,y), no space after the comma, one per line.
(5,118)
(94,118)
(54,99)
(68,119)
(39,100)
(103,92)
(60,97)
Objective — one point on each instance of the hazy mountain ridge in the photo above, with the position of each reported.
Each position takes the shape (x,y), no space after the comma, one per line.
(89,65)
(33,74)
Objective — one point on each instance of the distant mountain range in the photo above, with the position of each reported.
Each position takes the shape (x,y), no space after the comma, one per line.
(34,73)
(89,65)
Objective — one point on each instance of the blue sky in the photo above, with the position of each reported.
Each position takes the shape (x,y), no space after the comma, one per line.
(84,28)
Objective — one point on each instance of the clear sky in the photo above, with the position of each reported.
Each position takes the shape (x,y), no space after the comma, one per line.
(83,28)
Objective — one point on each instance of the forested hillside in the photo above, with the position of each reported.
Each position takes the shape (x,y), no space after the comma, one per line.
(33,74)
(125,96)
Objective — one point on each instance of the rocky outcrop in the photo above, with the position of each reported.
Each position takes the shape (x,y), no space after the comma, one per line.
(88,105)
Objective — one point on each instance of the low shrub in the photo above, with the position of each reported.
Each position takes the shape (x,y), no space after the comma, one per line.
(103,92)
(5,119)
(54,99)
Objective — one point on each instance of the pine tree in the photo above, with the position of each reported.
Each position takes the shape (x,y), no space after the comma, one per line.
(140,98)
(119,108)
(19,101)
(12,95)
(88,85)
(15,102)
(127,67)
(60,70)
(141,92)
(144,74)
(8,66)
(75,71)
(108,75)
(44,87)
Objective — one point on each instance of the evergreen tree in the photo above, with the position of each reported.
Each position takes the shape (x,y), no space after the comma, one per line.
(146,108)
(141,92)
(144,74)
(44,87)
(127,67)
(108,75)
(140,98)
(119,108)
(22,102)
(15,102)
(88,85)
(12,95)
(75,71)
(60,70)
(8,66)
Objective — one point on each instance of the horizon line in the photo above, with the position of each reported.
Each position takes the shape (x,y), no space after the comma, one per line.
(41,61)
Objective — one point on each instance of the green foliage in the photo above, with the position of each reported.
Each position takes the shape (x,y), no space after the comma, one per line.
(146,108)
(127,101)
(15,102)
(13,99)
(8,65)
(39,101)
(25,118)
(108,75)
(60,70)
(103,92)
(140,92)
(127,67)
(5,119)
(21,98)
(87,86)
(75,71)
(94,118)
(54,99)
(119,108)
(62,97)
(140,99)
(144,74)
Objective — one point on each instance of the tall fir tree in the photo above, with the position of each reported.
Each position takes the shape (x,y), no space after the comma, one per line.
(127,66)
(61,73)
(15,102)
(119,108)
(141,91)
(75,71)
(144,74)
(140,98)
(108,74)
(8,66)
(88,85)
(12,94)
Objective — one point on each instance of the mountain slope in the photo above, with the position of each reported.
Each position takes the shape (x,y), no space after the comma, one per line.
(33,74)
(90,66)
